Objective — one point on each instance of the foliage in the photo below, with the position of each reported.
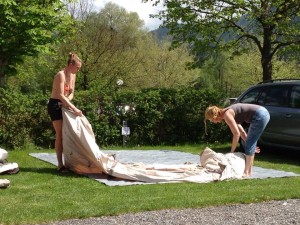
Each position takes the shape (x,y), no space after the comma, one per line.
(26,28)
(114,45)
(106,42)
(36,73)
(162,67)
(17,111)
(100,109)
(235,74)
(172,116)
(208,26)
(155,116)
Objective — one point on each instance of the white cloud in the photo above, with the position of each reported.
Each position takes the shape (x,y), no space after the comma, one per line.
(143,9)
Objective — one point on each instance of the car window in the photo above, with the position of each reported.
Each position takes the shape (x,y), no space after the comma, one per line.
(261,98)
(277,96)
(295,97)
(251,96)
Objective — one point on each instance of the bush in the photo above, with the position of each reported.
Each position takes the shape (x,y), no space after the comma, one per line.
(23,119)
(155,117)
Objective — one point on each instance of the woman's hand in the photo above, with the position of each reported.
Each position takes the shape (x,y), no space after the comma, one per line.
(257,149)
(77,112)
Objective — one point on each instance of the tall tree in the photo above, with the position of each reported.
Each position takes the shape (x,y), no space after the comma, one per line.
(106,41)
(271,25)
(26,27)
(162,67)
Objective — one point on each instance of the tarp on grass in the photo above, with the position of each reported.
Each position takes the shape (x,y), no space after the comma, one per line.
(82,155)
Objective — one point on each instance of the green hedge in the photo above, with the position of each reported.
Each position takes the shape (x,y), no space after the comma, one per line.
(155,117)
(24,120)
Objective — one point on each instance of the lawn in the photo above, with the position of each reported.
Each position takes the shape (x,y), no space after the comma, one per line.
(39,194)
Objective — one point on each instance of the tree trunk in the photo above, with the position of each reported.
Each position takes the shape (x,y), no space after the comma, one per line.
(2,80)
(85,82)
(267,68)
(2,72)
(266,55)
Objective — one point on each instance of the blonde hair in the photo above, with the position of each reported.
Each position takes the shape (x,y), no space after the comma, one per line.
(211,112)
(73,58)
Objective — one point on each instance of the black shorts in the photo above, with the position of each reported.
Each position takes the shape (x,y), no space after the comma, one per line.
(54,109)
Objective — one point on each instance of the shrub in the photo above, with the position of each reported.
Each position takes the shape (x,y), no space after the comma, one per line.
(155,117)
(22,119)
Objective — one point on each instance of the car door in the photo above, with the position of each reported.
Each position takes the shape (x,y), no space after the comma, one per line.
(283,128)
(291,121)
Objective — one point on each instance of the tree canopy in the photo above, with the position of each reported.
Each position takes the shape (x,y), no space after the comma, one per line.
(271,25)
(113,44)
(26,27)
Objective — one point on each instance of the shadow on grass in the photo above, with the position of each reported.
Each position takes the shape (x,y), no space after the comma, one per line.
(276,155)
(54,171)
(69,174)
(271,155)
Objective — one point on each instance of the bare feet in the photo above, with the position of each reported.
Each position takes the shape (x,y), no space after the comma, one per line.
(62,169)
(246,175)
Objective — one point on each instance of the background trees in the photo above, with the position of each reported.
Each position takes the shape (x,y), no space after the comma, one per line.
(113,44)
(161,67)
(271,26)
(167,98)
(235,74)
(106,42)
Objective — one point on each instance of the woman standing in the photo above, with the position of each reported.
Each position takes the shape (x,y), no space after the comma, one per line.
(63,88)
(236,114)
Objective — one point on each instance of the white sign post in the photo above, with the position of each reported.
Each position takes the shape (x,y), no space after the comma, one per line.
(125,132)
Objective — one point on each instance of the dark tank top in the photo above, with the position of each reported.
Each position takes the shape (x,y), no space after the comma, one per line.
(243,112)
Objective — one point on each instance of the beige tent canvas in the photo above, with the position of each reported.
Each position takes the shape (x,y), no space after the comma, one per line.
(82,155)
(6,168)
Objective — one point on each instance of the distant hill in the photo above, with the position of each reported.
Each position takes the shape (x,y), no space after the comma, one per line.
(160,33)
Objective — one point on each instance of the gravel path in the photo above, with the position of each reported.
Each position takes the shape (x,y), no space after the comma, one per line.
(274,212)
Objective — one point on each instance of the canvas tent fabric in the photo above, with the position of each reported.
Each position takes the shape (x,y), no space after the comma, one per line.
(82,155)
(3,155)
(6,168)
(4,183)
(9,168)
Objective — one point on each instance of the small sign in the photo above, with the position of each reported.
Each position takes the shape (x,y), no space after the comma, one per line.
(126,131)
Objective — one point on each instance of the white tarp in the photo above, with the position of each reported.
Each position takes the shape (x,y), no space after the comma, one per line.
(6,168)
(82,155)
(4,183)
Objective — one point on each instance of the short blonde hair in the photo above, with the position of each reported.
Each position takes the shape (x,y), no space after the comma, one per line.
(211,112)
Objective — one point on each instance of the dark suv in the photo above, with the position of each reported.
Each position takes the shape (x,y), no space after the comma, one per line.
(282,99)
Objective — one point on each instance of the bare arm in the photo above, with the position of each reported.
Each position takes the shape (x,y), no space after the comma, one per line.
(242,132)
(229,119)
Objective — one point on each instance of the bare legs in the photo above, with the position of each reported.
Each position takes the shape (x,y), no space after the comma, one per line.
(259,122)
(248,165)
(57,124)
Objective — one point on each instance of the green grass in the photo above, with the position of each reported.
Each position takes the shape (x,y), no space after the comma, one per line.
(38,194)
